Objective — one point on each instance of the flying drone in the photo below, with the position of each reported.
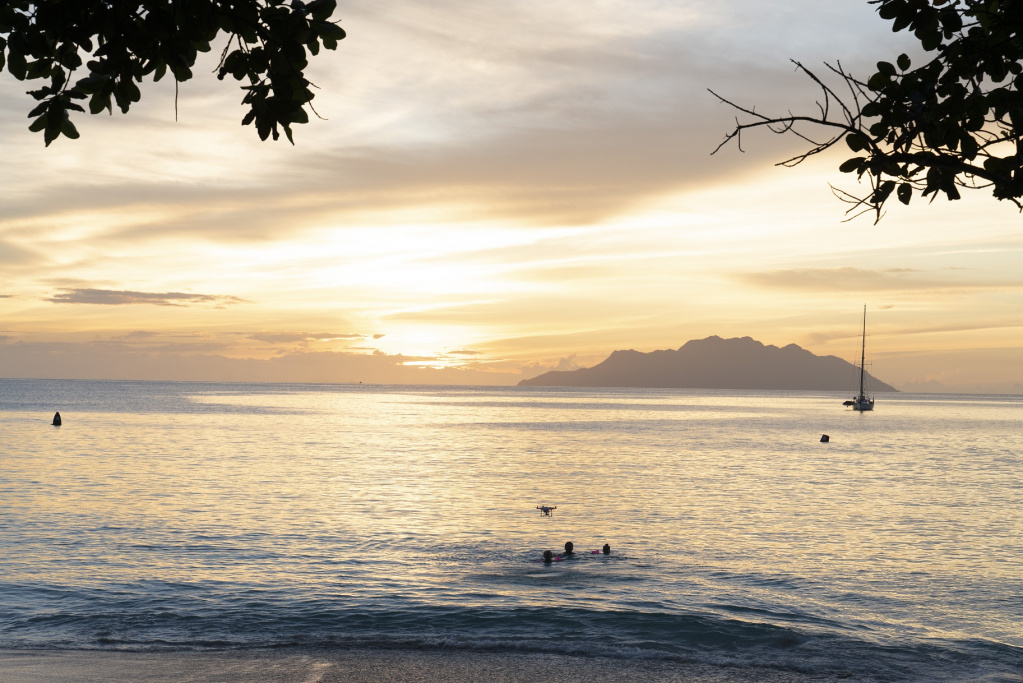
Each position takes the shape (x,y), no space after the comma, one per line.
(545,510)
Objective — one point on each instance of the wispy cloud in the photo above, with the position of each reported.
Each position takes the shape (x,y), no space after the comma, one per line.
(292,337)
(11,254)
(137,335)
(978,326)
(113,297)
(850,279)
(114,360)
(149,337)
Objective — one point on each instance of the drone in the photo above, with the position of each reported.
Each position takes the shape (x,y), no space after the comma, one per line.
(545,510)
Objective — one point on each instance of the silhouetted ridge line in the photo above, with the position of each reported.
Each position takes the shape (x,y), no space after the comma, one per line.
(714,363)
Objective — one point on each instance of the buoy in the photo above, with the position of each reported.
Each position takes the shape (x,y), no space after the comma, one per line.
(825,438)
(56,419)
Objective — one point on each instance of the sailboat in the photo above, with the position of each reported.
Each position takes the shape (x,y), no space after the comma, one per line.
(861,401)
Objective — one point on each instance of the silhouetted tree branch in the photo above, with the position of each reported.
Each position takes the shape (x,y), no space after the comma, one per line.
(128,40)
(952,123)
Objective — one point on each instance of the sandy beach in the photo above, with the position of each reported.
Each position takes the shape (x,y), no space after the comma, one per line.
(353,666)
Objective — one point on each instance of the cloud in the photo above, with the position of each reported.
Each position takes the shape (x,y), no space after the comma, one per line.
(138,335)
(565,364)
(980,326)
(520,112)
(15,255)
(850,279)
(568,363)
(106,360)
(292,337)
(176,336)
(112,297)
(924,386)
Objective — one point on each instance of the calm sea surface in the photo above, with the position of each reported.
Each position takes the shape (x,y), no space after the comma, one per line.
(226,516)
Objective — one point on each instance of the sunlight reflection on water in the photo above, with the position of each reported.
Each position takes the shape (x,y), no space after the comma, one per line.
(907,523)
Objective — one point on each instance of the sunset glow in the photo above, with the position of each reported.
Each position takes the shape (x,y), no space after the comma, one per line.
(493,193)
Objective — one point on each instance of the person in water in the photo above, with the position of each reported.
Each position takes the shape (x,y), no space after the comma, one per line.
(606,549)
(548,556)
(569,548)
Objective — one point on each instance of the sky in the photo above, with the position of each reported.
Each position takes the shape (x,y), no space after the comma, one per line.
(494,190)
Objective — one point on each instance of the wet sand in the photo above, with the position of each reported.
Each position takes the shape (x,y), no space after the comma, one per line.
(355,666)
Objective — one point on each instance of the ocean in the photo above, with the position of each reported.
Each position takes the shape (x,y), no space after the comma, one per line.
(211,517)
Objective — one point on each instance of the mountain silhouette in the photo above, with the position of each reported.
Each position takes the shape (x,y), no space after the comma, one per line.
(716,363)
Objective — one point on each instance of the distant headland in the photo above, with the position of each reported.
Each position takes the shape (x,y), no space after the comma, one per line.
(716,363)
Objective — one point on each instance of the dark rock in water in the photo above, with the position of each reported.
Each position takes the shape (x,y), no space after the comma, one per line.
(825,438)
(56,419)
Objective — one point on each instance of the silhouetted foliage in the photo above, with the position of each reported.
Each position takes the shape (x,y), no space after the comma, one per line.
(127,40)
(951,123)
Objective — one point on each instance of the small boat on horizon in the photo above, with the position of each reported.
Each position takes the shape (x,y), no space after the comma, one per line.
(861,401)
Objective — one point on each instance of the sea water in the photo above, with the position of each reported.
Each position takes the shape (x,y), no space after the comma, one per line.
(245,516)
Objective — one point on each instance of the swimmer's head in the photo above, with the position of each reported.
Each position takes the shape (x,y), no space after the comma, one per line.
(606,549)
(568,548)
(548,556)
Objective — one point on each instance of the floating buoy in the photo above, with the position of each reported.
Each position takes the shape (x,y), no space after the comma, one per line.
(825,438)
(56,419)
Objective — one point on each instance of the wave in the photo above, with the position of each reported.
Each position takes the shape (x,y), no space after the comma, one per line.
(181,622)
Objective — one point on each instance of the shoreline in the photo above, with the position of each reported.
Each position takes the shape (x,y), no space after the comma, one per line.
(358,666)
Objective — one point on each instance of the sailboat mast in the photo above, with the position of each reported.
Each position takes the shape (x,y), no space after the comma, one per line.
(863,349)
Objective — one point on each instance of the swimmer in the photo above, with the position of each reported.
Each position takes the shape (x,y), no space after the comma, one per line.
(548,556)
(606,549)
(569,548)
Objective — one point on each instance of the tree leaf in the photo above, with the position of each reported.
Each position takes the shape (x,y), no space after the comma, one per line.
(905,193)
(886,68)
(878,81)
(68,128)
(122,44)
(99,102)
(16,64)
(850,165)
(857,141)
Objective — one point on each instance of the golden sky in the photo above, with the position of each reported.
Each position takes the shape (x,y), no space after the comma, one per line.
(496,190)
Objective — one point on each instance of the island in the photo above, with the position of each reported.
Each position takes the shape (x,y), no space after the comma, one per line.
(716,363)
